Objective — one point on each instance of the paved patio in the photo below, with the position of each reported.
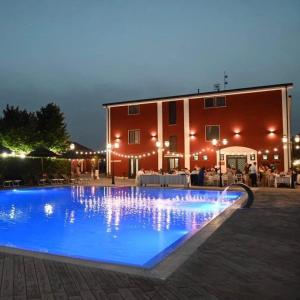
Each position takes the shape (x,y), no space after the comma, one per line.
(254,255)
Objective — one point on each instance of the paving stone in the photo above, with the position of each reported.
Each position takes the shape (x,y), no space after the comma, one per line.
(255,254)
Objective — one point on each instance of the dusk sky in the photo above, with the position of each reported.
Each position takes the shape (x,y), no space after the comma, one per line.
(80,54)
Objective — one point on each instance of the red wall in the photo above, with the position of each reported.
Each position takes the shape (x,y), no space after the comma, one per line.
(252,114)
(121,122)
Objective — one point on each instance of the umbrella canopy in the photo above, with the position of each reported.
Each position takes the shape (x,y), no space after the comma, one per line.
(42,152)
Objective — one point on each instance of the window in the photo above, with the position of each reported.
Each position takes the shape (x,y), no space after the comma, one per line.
(134,136)
(172,113)
(205,157)
(276,157)
(219,101)
(173,143)
(133,109)
(209,102)
(212,132)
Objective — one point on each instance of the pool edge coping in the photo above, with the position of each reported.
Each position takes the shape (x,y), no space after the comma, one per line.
(163,269)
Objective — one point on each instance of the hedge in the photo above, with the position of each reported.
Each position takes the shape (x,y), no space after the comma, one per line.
(29,170)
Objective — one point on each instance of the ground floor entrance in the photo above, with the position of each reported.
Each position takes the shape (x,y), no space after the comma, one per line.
(237,162)
(173,163)
(133,167)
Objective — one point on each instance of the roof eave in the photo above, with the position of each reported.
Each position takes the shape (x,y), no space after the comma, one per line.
(289,84)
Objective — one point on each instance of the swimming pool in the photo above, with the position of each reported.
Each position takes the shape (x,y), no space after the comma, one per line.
(120,225)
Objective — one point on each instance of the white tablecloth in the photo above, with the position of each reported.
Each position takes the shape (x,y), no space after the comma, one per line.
(287,180)
(177,179)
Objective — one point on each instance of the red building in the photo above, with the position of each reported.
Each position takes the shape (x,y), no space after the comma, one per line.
(177,131)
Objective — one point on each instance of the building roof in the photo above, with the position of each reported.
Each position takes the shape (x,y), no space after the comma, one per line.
(264,87)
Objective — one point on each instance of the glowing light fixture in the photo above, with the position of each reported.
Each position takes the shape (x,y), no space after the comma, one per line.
(284,139)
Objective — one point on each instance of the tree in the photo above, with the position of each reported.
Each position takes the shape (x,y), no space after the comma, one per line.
(17,129)
(51,128)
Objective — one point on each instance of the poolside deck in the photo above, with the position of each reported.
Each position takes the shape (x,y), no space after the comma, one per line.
(254,255)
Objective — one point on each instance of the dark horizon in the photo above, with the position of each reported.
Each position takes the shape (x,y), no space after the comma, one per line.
(80,55)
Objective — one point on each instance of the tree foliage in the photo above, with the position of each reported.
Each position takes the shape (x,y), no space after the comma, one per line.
(17,129)
(23,131)
(51,127)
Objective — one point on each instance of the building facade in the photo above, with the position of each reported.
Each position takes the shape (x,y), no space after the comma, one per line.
(177,132)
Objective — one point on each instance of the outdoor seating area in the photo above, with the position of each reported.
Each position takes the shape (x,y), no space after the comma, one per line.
(211,177)
(11,183)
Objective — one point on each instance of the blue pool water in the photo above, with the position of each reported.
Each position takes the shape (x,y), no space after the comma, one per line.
(128,225)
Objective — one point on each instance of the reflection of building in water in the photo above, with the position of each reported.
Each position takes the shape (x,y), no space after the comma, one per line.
(159,213)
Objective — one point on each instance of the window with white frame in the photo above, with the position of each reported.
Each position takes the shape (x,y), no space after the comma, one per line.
(212,132)
(211,102)
(133,109)
(134,136)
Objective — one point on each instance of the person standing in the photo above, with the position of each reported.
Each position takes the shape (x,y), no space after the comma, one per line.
(253,174)
(201,177)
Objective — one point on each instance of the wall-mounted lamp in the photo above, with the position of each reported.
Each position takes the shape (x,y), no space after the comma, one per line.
(153,136)
(167,143)
(237,132)
(192,134)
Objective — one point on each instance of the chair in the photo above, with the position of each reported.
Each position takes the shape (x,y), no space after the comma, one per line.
(7,183)
(225,180)
(16,182)
(239,178)
(42,181)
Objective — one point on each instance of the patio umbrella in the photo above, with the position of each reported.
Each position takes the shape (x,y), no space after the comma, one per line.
(42,153)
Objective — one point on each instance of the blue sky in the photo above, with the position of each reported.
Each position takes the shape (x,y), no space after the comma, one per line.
(80,54)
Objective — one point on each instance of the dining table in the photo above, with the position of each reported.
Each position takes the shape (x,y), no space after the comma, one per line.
(285,180)
(164,179)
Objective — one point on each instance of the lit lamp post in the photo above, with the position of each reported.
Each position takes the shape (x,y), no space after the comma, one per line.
(219,144)
(110,147)
(293,142)
(72,148)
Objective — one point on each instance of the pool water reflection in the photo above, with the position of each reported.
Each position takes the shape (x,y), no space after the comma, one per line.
(126,225)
